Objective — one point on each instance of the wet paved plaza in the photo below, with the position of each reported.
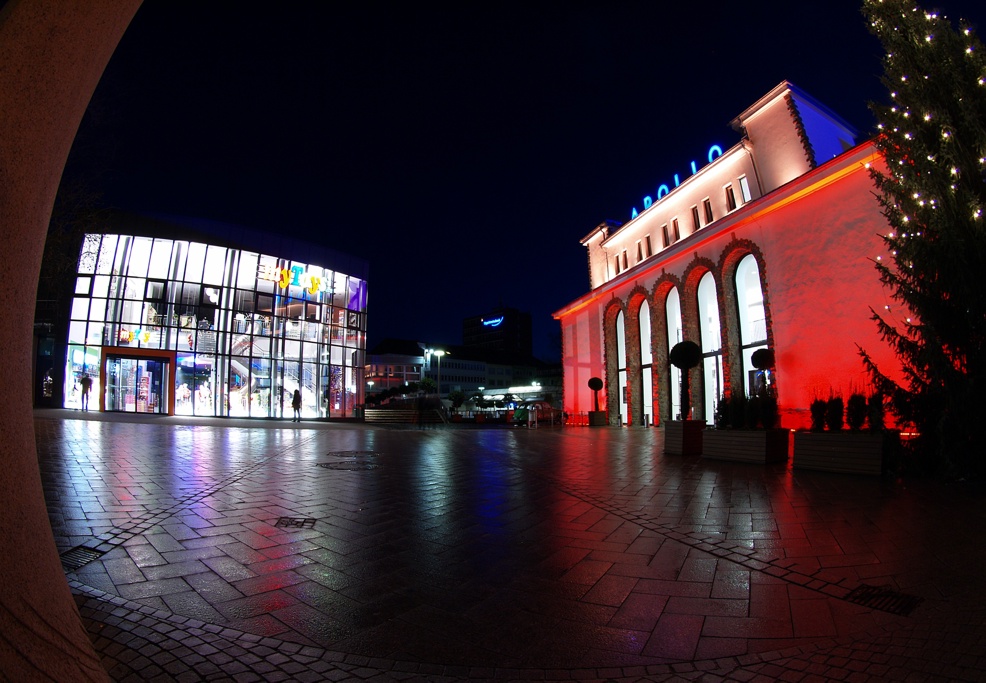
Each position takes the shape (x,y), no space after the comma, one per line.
(225,550)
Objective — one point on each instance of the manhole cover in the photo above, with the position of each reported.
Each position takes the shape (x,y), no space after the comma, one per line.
(884,599)
(296,522)
(79,557)
(349,466)
(352,454)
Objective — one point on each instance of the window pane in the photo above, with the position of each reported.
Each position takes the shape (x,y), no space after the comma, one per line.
(101,285)
(195,261)
(215,266)
(80,308)
(77,332)
(140,256)
(246,276)
(88,254)
(160,259)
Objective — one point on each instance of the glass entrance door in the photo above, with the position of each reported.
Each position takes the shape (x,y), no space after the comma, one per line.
(136,385)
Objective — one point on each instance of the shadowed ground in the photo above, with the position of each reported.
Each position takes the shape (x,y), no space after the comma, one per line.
(550,554)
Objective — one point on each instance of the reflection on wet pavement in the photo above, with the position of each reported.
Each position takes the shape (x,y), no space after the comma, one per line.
(547,549)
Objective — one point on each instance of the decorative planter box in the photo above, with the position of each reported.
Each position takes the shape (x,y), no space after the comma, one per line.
(757,446)
(846,452)
(598,418)
(683,437)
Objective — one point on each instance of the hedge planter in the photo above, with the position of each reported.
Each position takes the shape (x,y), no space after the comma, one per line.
(683,437)
(756,446)
(844,452)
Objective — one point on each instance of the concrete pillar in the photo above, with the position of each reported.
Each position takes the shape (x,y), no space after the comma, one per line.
(52,54)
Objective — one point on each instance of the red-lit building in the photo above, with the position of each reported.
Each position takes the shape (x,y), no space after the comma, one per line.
(768,245)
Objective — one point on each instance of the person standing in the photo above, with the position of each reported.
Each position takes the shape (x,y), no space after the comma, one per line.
(296,405)
(85,382)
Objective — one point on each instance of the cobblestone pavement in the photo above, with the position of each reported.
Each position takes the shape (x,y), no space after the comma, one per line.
(228,550)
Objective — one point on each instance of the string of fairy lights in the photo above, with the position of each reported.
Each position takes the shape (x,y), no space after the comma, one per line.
(898,155)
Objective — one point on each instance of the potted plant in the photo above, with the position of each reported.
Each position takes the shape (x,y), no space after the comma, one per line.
(684,437)
(857,450)
(747,426)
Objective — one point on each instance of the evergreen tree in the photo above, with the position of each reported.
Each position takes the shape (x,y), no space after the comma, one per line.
(932,192)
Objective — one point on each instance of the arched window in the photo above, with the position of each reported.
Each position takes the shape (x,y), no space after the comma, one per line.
(646,360)
(672,309)
(752,321)
(621,364)
(708,313)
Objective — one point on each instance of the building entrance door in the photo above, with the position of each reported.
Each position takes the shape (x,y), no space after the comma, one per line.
(137,385)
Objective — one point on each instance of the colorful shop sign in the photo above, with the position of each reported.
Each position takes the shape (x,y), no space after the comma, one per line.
(295,276)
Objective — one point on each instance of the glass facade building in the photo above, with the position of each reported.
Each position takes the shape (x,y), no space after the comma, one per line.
(184,327)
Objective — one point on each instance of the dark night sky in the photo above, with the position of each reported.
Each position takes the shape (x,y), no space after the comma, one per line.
(462,151)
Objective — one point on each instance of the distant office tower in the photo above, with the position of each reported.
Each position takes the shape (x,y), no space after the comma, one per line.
(503,329)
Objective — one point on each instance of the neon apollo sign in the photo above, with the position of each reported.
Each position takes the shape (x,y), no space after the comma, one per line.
(663,190)
(493,322)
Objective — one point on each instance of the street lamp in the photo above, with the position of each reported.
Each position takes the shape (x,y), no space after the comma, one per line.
(438,353)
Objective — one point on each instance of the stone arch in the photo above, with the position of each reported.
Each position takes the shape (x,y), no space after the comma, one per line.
(635,382)
(612,383)
(659,336)
(694,273)
(729,261)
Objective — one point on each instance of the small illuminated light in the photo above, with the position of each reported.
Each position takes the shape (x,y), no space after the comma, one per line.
(944,134)
(879,258)
(908,320)
(867,164)
(891,235)
(927,39)
(907,136)
(968,50)
(907,114)
(955,171)
(927,117)
(916,195)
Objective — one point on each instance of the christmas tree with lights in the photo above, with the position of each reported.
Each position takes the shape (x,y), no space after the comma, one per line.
(932,190)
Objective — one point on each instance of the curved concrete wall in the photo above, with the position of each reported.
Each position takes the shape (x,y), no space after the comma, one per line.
(52,54)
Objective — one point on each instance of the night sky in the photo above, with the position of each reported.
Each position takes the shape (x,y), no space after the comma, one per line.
(462,151)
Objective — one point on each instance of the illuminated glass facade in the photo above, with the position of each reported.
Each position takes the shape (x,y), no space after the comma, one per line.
(182,327)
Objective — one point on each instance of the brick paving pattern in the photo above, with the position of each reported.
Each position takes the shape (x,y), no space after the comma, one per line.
(224,550)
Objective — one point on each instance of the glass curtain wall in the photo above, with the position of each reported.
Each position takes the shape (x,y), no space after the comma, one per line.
(245,329)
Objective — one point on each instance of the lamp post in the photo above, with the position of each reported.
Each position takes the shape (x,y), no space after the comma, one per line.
(438,353)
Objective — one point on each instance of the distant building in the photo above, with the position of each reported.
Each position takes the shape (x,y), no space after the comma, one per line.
(397,362)
(768,245)
(506,330)
(172,316)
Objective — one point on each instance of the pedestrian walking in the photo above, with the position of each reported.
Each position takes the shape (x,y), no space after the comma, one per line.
(296,405)
(86,383)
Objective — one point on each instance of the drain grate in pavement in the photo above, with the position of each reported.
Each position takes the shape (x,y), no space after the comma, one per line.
(884,599)
(349,466)
(351,454)
(296,522)
(79,557)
